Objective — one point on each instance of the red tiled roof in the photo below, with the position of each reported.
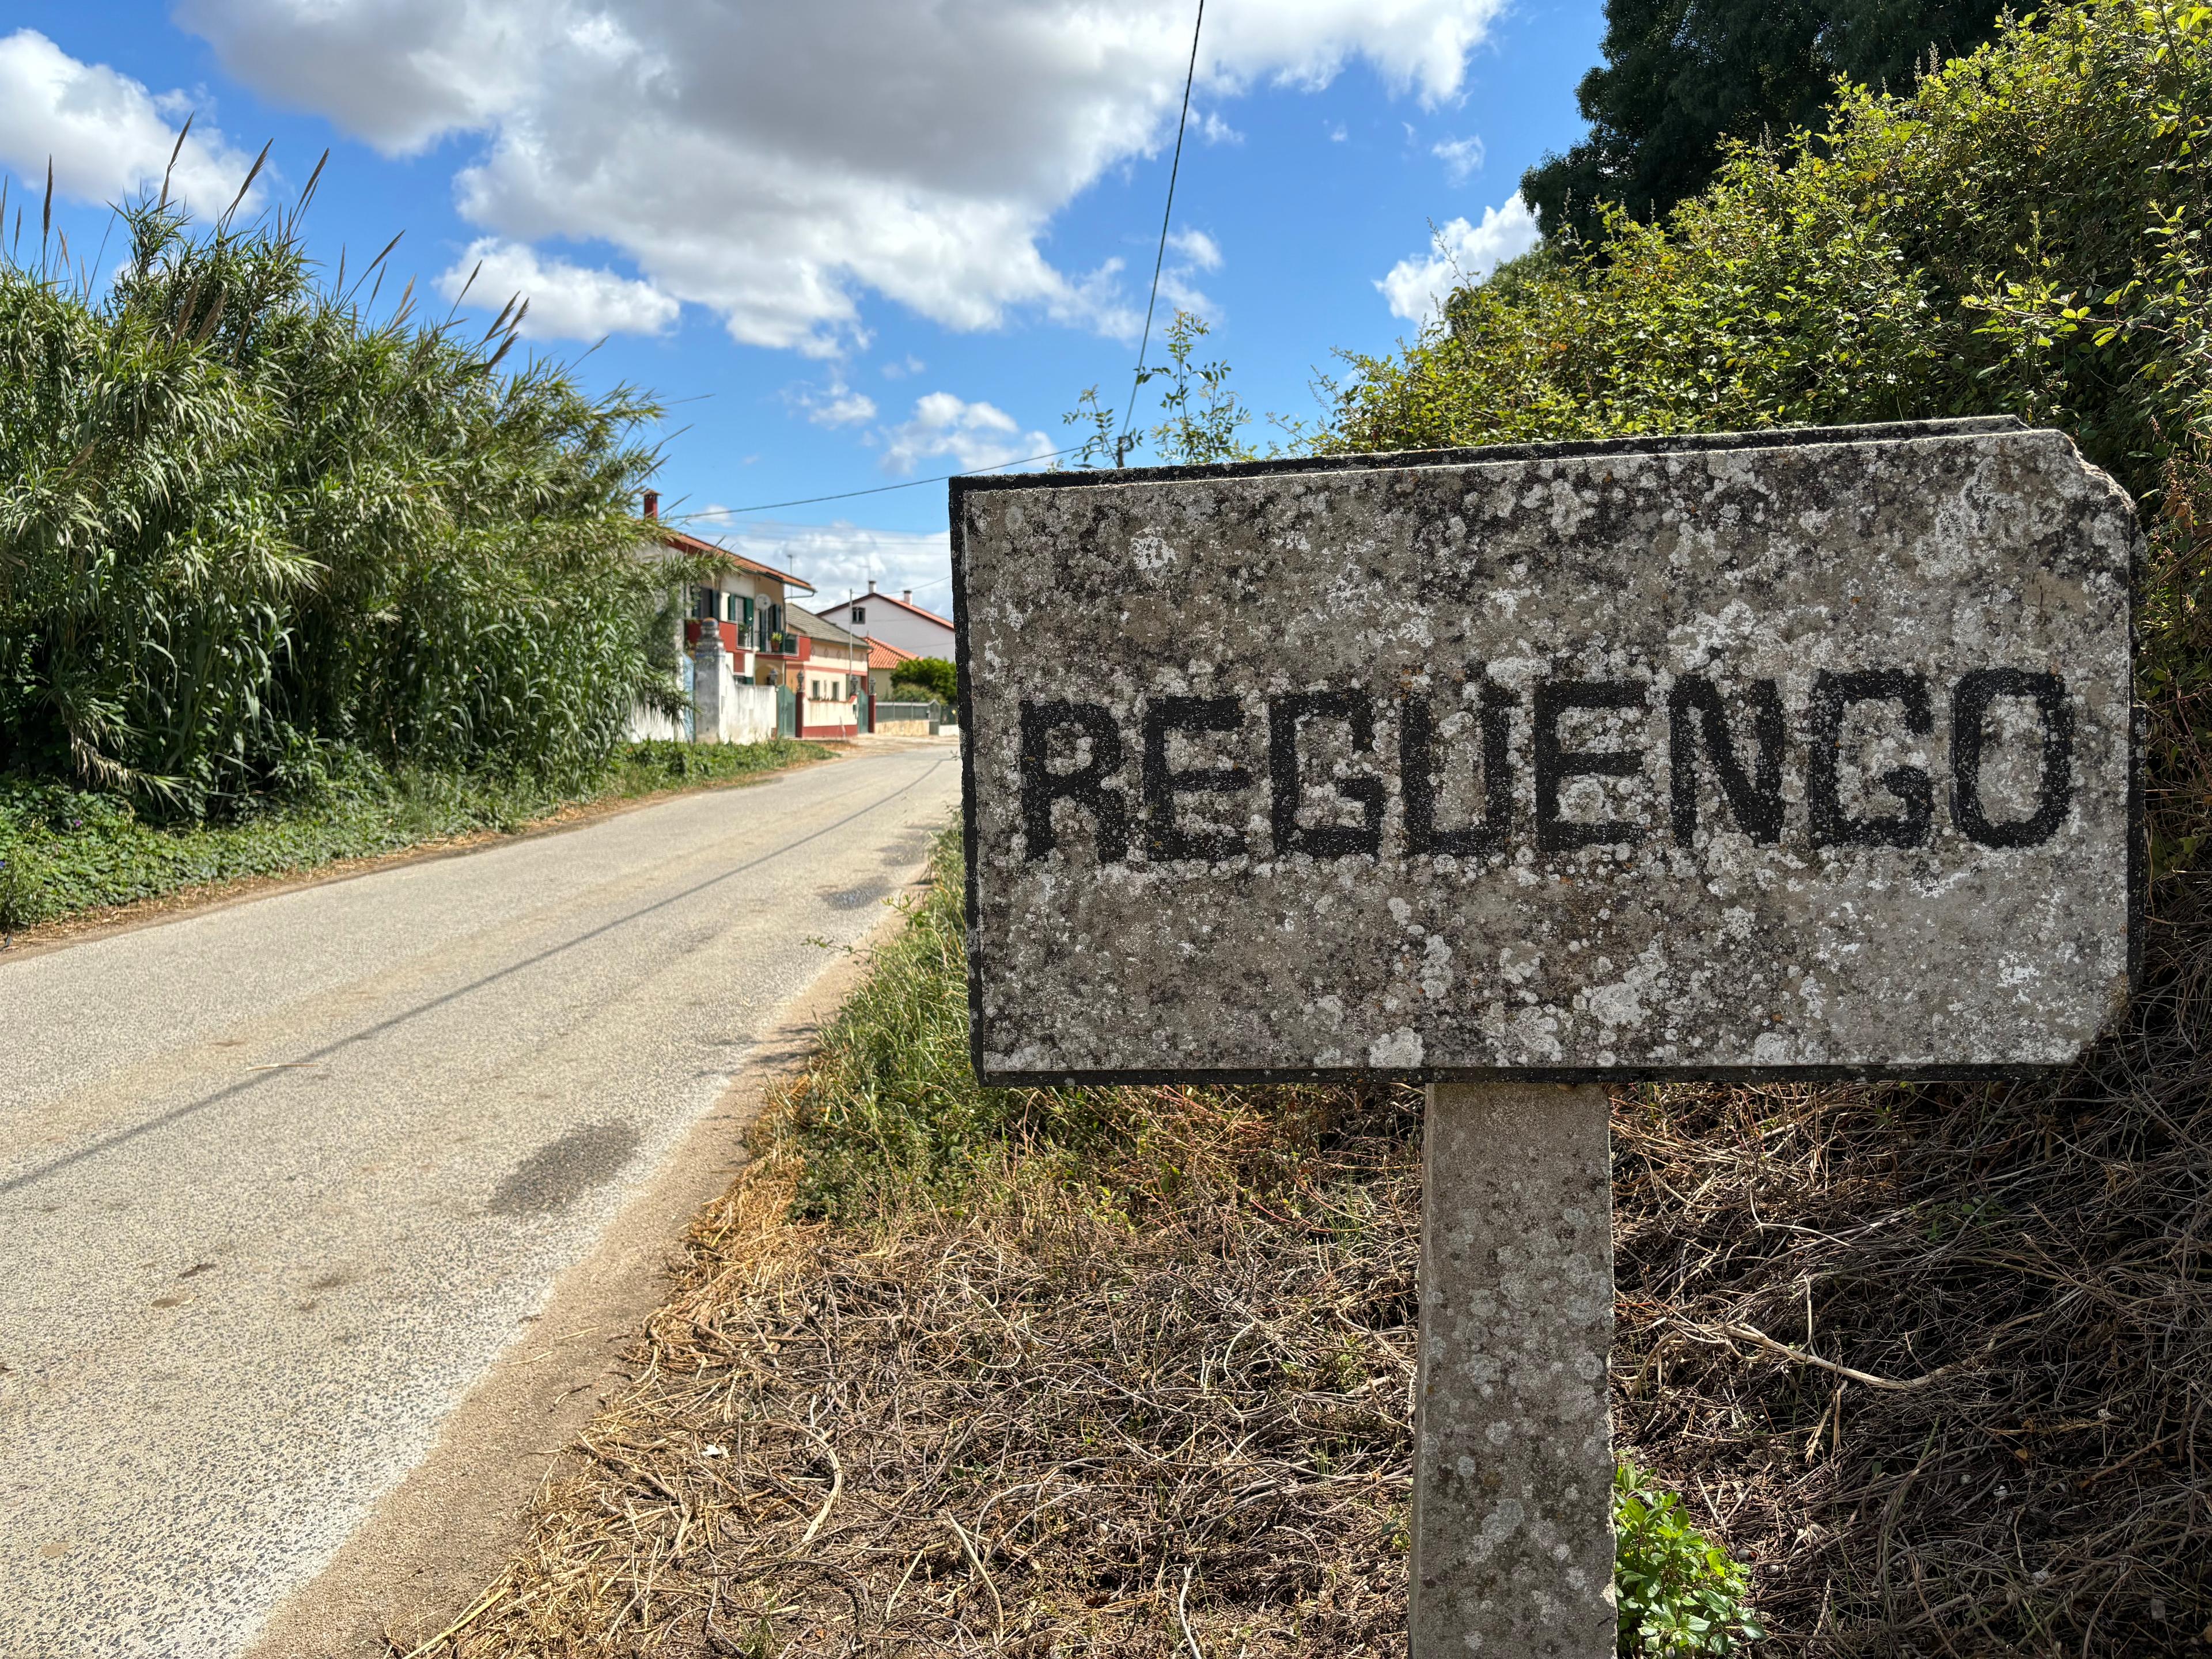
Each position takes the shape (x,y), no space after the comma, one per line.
(692,545)
(882,653)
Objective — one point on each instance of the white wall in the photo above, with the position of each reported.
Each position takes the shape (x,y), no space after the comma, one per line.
(723,710)
(650,724)
(893,624)
(749,715)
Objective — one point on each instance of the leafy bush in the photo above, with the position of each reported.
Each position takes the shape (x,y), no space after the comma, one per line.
(932,679)
(1679,1593)
(1922,257)
(1677,78)
(244,527)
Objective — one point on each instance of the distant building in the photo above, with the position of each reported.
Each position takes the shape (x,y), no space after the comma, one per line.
(748,602)
(898,622)
(830,675)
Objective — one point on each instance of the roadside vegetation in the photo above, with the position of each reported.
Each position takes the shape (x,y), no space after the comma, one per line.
(1103,1370)
(286,577)
(65,851)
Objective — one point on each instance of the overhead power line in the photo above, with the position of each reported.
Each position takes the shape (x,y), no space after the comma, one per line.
(848,494)
(1121,444)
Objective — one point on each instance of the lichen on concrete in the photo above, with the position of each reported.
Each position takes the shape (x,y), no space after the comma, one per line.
(1513,1542)
(1321,772)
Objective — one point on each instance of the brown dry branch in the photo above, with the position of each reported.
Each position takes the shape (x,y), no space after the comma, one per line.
(2017,1281)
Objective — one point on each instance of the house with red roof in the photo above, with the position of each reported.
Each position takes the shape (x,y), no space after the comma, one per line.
(748,601)
(884,660)
(749,604)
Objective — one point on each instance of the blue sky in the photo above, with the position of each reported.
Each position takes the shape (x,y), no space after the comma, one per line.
(853,242)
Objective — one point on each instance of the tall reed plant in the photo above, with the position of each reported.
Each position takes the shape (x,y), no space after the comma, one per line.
(248,520)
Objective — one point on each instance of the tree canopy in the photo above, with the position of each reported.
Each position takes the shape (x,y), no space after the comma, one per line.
(934,677)
(1681,76)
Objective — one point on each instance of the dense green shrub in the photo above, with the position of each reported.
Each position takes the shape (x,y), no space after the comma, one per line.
(1922,258)
(1680,77)
(931,679)
(245,527)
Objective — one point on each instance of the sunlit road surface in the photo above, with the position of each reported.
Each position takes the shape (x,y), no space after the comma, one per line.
(278,1181)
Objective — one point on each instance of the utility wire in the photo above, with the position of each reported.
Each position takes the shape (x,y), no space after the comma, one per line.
(1123,444)
(848,494)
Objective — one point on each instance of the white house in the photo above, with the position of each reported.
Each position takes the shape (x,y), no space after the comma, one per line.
(747,604)
(899,621)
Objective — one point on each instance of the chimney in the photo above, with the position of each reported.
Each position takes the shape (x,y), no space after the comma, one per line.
(909,596)
(872,584)
(652,503)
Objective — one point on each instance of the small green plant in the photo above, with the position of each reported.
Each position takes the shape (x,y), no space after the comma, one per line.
(21,899)
(1190,432)
(1680,1592)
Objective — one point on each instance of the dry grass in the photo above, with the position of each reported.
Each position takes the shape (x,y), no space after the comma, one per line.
(2022,1279)
(1149,1395)
(1038,1425)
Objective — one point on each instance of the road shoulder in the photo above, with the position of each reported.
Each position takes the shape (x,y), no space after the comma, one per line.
(99,921)
(432,1544)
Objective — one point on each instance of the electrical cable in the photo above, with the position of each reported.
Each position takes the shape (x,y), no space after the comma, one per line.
(848,494)
(1160,259)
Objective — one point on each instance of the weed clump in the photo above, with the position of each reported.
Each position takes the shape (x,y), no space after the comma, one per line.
(1681,1595)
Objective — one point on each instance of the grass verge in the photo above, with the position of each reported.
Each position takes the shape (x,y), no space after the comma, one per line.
(64,851)
(1126,1371)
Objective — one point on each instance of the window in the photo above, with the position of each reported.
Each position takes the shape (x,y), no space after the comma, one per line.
(729,607)
(859,614)
(703,604)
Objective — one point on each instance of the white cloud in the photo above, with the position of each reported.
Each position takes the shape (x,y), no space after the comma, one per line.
(777,162)
(836,404)
(566,301)
(840,557)
(1200,249)
(1337,135)
(909,365)
(108,135)
(1460,253)
(1461,157)
(1215,131)
(975,435)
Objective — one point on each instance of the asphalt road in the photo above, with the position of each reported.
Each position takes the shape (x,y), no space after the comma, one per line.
(278,1181)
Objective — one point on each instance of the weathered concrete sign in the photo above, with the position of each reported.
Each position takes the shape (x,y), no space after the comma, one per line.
(1786,752)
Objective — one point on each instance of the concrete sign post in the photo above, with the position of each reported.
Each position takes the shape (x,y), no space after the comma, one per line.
(1787,755)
